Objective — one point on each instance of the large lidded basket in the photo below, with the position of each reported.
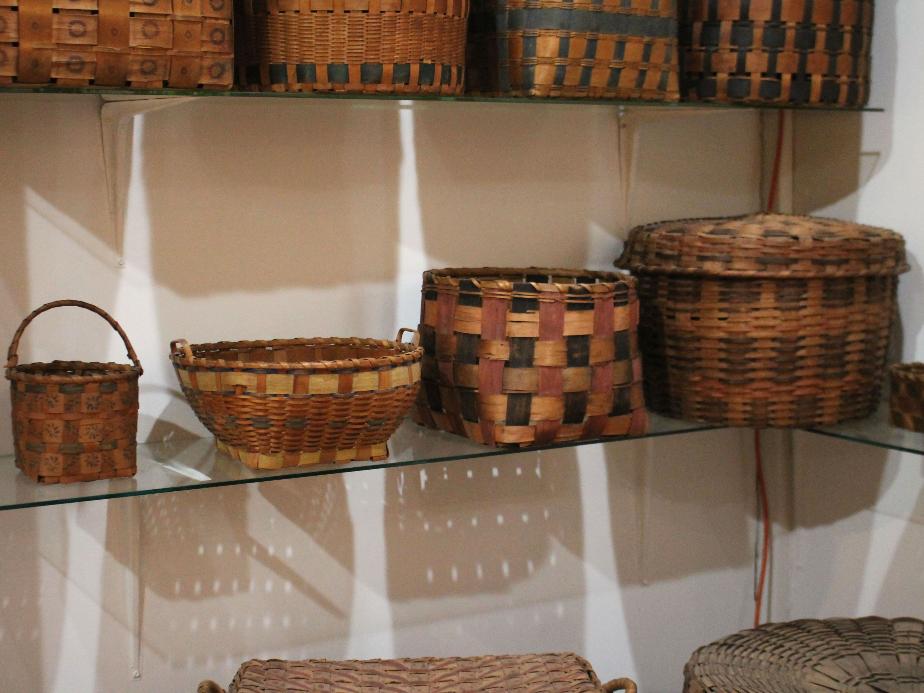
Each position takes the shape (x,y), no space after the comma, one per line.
(290,402)
(371,46)
(618,49)
(799,52)
(530,356)
(764,320)
(73,420)
(182,44)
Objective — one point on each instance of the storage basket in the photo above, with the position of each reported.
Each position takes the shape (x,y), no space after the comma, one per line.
(289,402)
(546,673)
(764,320)
(906,398)
(181,44)
(574,49)
(373,46)
(530,356)
(800,52)
(846,655)
(74,421)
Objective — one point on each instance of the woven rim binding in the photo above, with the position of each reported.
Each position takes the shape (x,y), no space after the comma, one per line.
(477,280)
(908,371)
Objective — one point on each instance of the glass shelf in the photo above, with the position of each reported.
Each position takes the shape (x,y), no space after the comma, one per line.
(182,465)
(120,93)
(876,431)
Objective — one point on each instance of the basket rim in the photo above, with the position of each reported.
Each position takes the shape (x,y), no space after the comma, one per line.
(487,278)
(404,354)
(108,372)
(913,370)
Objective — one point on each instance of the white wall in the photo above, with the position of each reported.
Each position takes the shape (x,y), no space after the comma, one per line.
(256,218)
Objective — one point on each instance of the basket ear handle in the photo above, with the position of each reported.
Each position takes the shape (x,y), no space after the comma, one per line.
(13,355)
(181,345)
(408,330)
(627,685)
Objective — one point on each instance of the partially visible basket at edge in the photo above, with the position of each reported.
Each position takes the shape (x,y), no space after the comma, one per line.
(289,402)
(906,397)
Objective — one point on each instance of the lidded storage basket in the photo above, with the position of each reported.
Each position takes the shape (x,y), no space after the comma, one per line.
(290,402)
(74,421)
(182,44)
(806,52)
(372,46)
(530,356)
(617,49)
(764,320)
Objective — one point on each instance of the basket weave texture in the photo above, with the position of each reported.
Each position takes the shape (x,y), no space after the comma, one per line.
(814,52)
(847,655)
(906,398)
(373,46)
(290,402)
(114,43)
(764,320)
(574,49)
(73,420)
(530,356)
(546,673)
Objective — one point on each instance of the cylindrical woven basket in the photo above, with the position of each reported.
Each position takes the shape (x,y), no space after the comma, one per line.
(116,43)
(799,52)
(290,402)
(530,356)
(580,49)
(808,656)
(764,320)
(72,420)
(371,46)
(906,396)
(545,673)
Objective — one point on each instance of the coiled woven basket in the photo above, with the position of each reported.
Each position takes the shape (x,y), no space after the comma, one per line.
(289,402)
(863,655)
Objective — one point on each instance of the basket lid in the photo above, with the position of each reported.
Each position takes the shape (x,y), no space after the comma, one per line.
(764,245)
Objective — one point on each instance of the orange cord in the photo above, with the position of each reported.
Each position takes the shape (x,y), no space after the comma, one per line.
(767,535)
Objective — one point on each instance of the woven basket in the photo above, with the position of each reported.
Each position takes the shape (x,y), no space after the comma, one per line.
(764,320)
(143,43)
(373,46)
(547,673)
(836,655)
(290,402)
(906,398)
(530,356)
(574,49)
(74,421)
(805,52)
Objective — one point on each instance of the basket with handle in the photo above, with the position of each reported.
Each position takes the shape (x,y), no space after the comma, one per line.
(290,402)
(73,420)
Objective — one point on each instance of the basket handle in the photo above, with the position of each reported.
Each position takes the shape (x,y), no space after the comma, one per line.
(627,685)
(181,345)
(13,356)
(408,330)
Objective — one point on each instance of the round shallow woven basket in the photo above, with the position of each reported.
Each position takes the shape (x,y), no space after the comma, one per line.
(764,320)
(289,402)
(906,396)
(863,655)
(74,420)
(529,356)
(777,51)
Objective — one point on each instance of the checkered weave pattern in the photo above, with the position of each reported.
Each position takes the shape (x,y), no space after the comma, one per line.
(140,43)
(530,356)
(617,49)
(805,52)
(72,420)
(809,656)
(545,673)
(906,397)
(291,402)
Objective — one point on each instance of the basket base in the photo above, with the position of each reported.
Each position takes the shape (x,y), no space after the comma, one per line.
(259,460)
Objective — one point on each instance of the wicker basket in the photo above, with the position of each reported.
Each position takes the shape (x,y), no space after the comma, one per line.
(179,44)
(290,402)
(846,655)
(547,673)
(74,421)
(764,320)
(777,51)
(530,356)
(414,47)
(584,48)
(906,398)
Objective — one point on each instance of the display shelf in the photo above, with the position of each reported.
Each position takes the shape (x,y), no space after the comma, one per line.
(183,465)
(876,431)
